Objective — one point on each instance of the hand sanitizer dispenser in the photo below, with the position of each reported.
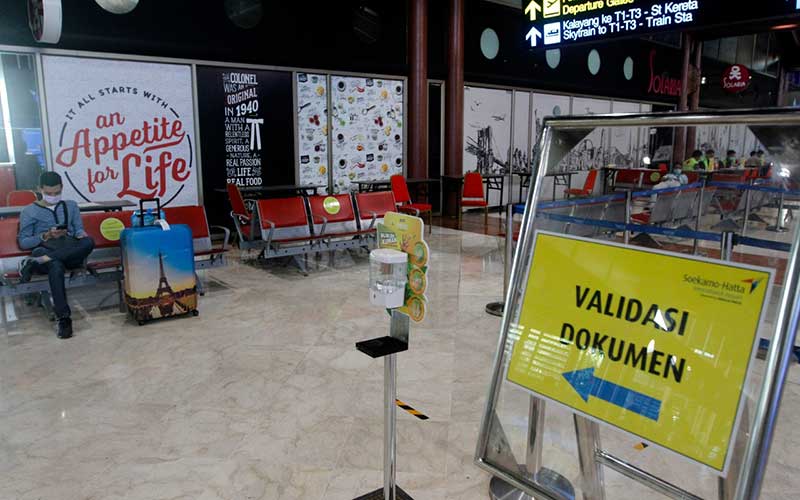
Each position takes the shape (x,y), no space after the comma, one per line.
(388,274)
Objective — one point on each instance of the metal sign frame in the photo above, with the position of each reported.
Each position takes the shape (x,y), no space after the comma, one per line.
(746,484)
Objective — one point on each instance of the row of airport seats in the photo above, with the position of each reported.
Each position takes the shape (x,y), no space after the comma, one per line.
(301,225)
(104,264)
(674,206)
(667,207)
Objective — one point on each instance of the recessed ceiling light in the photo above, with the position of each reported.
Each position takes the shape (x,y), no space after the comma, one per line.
(118,6)
(785,26)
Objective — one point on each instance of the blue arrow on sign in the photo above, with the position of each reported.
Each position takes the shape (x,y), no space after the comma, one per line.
(586,384)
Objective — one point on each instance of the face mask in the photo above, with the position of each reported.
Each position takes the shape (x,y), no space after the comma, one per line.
(678,171)
(51,199)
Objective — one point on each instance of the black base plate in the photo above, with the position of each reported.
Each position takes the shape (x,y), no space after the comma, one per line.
(378,495)
(381,346)
(495,308)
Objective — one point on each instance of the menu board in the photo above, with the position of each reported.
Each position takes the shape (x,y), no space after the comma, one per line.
(246,133)
(312,128)
(367,128)
(562,22)
(244,119)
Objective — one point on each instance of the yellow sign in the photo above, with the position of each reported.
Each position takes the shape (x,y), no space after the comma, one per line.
(111,228)
(406,233)
(552,8)
(331,205)
(655,344)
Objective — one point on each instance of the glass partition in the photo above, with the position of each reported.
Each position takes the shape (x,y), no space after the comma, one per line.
(648,325)
(21,140)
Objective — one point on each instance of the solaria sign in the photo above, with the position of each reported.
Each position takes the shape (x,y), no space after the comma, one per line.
(122,129)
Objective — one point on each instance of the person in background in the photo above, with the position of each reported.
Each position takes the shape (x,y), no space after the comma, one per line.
(694,162)
(752,161)
(761,158)
(672,179)
(731,161)
(52,229)
(711,160)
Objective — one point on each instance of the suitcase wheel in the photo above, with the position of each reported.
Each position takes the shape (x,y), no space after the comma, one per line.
(195,312)
(141,322)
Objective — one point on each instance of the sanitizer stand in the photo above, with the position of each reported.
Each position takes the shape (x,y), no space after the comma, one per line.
(387,348)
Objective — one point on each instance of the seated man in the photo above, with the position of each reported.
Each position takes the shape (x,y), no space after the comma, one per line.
(54,231)
(673,179)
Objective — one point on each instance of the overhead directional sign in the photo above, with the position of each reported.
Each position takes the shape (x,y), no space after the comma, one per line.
(534,7)
(656,344)
(535,35)
(583,21)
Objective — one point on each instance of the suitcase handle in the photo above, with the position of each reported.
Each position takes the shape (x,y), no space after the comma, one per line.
(149,200)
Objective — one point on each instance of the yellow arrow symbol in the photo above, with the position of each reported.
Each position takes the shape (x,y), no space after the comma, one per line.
(532,8)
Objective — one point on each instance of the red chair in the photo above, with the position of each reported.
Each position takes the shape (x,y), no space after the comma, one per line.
(473,195)
(333,220)
(403,199)
(243,217)
(20,198)
(588,186)
(373,206)
(8,182)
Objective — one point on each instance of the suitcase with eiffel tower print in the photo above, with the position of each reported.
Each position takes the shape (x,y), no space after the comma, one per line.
(159,271)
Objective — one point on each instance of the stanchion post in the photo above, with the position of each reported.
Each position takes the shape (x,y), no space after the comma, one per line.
(390,425)
(746,211)
(696,245)
(509,257)
(496,308)
(778,227)
(628,202)
(587,433)
(533,455)
(726,245)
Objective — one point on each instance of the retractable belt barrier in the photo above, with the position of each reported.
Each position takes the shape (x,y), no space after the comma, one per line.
(755,187)
(639,228)
(650,192)
(575,202)
(756,242)
(677,233)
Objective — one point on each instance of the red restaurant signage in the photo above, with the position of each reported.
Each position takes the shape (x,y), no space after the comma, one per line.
(736,78)
(662,83)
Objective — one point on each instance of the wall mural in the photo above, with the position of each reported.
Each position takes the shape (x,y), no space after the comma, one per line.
(487,130)
(312,127)
(624,148)
(367,130)
(122,129)
(521,157)
(545,105)
(593,151)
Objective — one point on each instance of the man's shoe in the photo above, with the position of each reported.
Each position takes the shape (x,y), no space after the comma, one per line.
(64,328)
(26,269)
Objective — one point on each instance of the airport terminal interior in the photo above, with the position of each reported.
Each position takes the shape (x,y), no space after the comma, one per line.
(444,250)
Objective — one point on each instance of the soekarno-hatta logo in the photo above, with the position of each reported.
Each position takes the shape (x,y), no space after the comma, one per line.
(754,283)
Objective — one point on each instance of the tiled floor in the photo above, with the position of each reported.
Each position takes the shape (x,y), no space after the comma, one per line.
(263,396)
